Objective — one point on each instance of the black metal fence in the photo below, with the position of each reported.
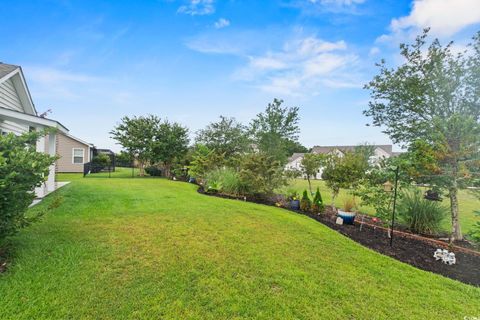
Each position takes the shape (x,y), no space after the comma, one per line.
(90,168)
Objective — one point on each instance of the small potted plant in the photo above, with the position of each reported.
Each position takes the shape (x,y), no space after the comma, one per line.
(317,204)
(305,203)
(348,213)
(294,201)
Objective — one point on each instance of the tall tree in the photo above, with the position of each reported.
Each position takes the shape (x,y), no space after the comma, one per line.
(150,140)
(434,96)
(344,171)
(273,129)
(226,136)
(170,144)
(310,165)
(294,147)
(136,135)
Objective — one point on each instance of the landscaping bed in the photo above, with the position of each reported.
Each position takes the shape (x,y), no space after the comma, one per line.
(409,248)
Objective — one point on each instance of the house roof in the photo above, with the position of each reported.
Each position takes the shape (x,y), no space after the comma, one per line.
(10,71)
(295,156)
(31,120)
(79,140)
(6,69)
(328,149)
(108,151)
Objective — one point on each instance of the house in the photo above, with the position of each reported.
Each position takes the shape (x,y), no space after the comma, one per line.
(73,153)
(18,115)
(380,152)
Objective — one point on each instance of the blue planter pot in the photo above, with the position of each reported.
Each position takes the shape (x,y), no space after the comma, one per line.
(295,204)
(348,217)
(192,180)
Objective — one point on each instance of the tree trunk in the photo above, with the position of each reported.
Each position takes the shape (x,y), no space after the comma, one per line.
(309,184)
(167,170)
(334,195)
(456,230)
(453,192)
(141,167)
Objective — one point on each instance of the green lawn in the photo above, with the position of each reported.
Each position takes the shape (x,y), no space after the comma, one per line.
(468,202)
(156,249)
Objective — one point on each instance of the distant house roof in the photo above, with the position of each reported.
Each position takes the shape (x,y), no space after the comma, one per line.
(295,156)
(107,151)
(6,69)
(327,149)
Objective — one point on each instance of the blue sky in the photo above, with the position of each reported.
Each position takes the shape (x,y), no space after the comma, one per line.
(190,61)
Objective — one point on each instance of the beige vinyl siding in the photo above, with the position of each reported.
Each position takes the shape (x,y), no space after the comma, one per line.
(65,146)
(9,97)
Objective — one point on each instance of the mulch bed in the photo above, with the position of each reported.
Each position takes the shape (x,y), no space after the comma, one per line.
(409,248)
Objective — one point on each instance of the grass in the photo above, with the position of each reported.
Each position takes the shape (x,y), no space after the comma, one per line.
(468,203)
(156,249)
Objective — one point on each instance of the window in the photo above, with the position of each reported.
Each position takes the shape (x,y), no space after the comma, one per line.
(78,155)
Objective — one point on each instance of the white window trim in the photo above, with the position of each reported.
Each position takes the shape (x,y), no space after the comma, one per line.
(73,155)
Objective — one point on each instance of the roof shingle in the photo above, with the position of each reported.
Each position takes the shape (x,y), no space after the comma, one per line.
(6,69)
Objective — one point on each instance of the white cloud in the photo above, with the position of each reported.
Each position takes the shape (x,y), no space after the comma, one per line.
(221,23)
(337,2)
(374,51)
(58,83)
(301,67)
(197,7)
(444,17)
(334,6)
(50,75)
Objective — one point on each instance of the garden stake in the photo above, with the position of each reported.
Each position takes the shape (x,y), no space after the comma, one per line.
(394,203)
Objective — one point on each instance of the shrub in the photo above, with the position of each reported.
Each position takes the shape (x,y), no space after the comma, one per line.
(305,203)
(420,215)
(224,180)
(153,171)
(101,160)
(21,170)
(261,174)
(317,204)
(474,234)
(205,160)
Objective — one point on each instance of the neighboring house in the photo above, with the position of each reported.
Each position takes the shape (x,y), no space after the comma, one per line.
(295,163)
(73,153)
(380,152)
(18,115)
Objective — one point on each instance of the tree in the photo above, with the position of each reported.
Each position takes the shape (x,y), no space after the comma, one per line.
(309,166)
(344,171)
(274,129)
(371,188)
(170,144)
(21,170)
(137,135)
(261,174)
(294,147)
(123,159)
(205,160)
(149,139)
(226,136)
(434,97)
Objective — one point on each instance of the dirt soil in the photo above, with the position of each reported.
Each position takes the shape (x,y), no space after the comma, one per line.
(414,251)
